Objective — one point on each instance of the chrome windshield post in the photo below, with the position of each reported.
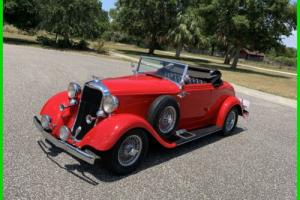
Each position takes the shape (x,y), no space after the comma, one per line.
(183,75)
(138,65)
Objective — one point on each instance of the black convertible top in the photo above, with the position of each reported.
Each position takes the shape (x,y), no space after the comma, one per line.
(207,75)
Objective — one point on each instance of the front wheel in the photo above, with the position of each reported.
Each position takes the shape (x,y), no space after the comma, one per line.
(230,121)
(127,154)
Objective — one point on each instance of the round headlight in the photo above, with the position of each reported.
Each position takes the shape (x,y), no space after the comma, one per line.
(45,122)
(110,104)
(64,133)
(73,90)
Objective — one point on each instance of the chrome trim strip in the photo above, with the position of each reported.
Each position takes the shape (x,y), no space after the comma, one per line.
(89,158)
(163,59)
(199,136)
(98,85)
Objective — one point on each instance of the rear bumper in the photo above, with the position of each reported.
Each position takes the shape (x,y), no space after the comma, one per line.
(82,155)
(245,107)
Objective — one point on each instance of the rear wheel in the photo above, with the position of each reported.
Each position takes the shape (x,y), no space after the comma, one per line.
(127,154)
(230,121)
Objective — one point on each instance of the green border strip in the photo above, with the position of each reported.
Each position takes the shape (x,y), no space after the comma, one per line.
(1,107)
(298,112)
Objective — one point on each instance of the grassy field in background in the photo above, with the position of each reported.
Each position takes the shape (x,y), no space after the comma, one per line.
(275,83)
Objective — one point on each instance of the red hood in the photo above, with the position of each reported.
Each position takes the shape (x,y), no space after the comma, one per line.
(140,84)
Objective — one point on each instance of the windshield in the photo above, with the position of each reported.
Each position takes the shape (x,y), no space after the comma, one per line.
(162,68)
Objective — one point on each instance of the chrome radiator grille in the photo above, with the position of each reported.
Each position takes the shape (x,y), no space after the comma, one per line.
(89,105)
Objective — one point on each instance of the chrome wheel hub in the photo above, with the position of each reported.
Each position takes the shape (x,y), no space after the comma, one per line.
(130,150)
(167,119)
(229,124)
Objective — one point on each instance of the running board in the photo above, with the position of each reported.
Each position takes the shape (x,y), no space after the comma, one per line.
(185,136)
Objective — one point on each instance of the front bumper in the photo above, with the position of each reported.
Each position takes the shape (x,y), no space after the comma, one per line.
(87,157)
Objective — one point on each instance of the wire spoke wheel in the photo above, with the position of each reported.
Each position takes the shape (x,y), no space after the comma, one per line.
(230,121)
(130,150)
(167,119)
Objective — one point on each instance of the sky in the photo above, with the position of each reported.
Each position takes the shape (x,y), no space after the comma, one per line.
(108,4)
(290,41)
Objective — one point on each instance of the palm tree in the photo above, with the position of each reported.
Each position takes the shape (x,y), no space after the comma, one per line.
(186,31)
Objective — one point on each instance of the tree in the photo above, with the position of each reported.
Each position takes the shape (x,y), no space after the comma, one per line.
(149,19)
(186,31)
(21,13)
(77,18)
(257,25)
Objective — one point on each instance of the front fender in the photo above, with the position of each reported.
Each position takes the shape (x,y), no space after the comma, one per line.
(227,105)
(51,107)
(59,118)
(108,131)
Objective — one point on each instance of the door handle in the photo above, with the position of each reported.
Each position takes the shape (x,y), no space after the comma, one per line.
(183,94)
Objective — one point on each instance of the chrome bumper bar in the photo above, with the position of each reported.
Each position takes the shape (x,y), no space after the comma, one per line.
(245,106)
(89,158)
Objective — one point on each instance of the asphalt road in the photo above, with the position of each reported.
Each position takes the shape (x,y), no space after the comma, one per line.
(258,162)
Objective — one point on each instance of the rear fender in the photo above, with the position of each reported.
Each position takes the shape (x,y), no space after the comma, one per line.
(227,105)
(108,131)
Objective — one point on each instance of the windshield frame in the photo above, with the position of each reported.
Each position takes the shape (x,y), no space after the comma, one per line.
(180,84)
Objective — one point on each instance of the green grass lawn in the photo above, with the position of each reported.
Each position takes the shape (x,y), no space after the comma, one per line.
(283,85)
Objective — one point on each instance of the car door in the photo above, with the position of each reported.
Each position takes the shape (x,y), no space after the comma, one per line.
(195,100)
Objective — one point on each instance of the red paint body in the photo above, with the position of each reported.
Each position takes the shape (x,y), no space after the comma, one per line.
(204,105)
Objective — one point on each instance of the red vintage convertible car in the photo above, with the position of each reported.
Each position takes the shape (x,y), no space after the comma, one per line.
(114,118)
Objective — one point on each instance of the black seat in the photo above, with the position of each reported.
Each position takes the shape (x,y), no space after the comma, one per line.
(201,75)
(214,78)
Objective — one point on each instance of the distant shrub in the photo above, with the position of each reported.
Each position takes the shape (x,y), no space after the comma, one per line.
(10,29)
(116,36)
(285,61)
(46,41)
(107,35)
(81,45)
(62,44)
(99,46)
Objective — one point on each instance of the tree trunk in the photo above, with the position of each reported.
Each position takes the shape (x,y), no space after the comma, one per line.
(66,37)
(232,54)
(229,56)
(178,51)
(226,60)
(236,58)
(56,37)
(152,45)
(212,50)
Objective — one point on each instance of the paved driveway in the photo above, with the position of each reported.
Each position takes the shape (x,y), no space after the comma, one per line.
(258,162)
